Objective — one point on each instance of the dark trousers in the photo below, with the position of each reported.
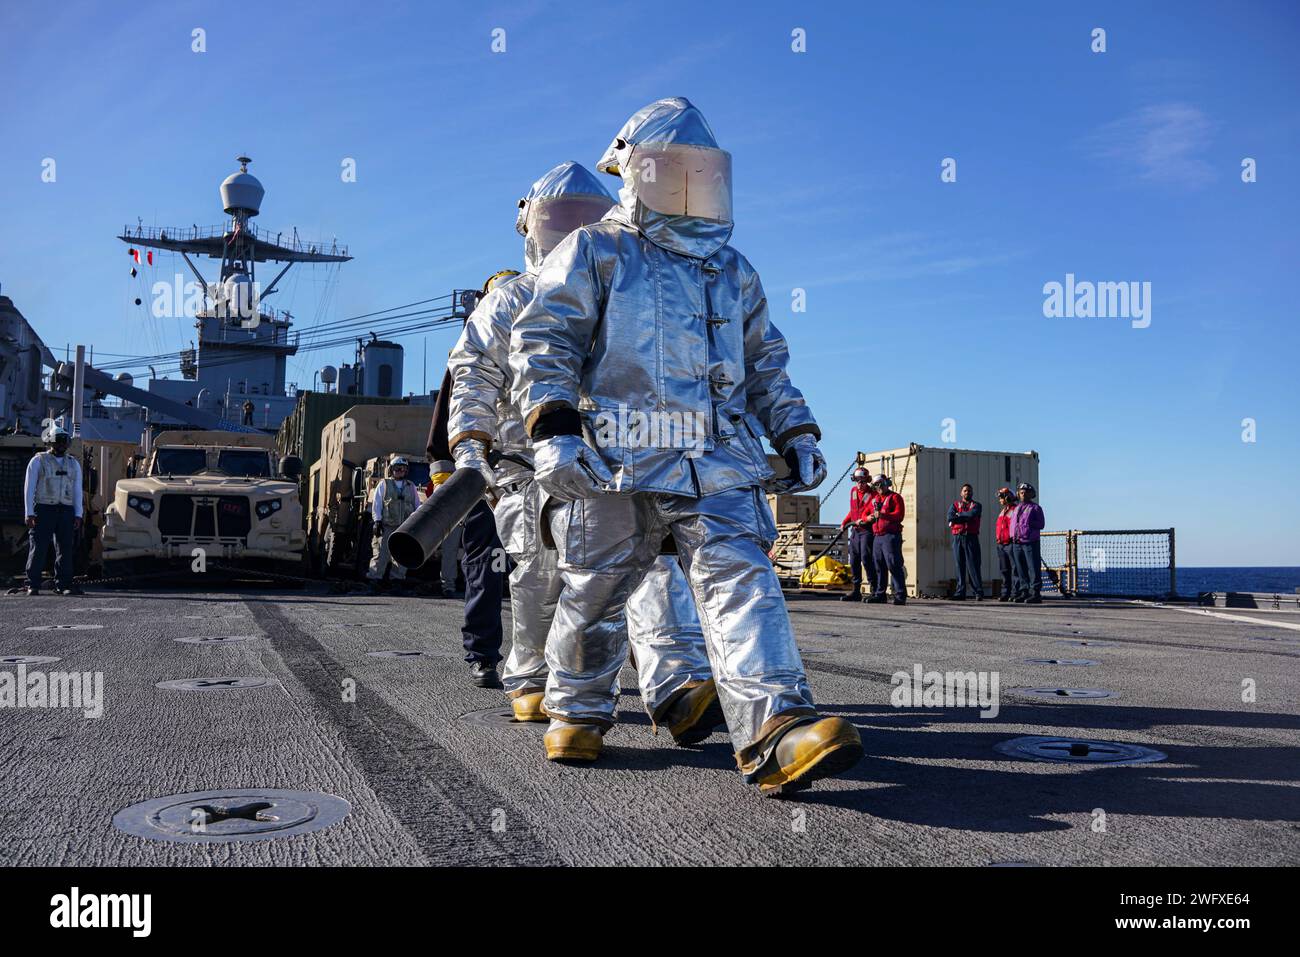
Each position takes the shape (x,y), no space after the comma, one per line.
(966,553)
(53,523)
(1007,569)
(887,550)
(1029,580)
(484,573)
(861,558)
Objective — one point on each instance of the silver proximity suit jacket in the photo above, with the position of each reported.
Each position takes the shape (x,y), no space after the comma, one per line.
(671,359)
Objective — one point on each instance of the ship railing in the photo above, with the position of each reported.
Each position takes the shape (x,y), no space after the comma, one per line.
(285,239)
(1110,563)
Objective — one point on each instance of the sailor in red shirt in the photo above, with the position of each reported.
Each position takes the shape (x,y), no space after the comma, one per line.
(887,513)
(861,537)
(1006,560)
(964,520)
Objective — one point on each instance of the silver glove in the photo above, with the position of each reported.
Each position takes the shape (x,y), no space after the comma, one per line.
(807,466)
(569,469)
(472,454)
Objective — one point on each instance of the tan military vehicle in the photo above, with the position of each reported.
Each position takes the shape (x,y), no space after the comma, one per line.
(355,451)
(223,492)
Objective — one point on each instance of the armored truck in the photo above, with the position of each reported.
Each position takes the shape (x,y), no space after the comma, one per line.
(223,492)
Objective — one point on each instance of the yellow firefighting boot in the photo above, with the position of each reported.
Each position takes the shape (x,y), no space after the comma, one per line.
(691,713)
(807,752)
(528,706)
(573,742)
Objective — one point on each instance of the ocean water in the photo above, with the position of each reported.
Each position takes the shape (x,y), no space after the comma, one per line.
(1192,581)
(1154,582)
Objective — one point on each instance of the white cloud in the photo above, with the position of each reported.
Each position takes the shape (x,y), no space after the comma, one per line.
(1163,143)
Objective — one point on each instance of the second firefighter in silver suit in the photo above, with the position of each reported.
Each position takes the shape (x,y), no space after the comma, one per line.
(661,621)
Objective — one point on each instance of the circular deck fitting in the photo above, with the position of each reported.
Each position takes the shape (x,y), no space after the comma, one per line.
(63,627)
(501,718)
(216,639)
(1086,643)
(1077,751)
(233,814)
(28,660)
(1065,692)
(1080,662)
(216,684)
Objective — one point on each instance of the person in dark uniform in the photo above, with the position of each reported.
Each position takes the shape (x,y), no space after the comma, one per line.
(964,521)
(483,563)
(53,508)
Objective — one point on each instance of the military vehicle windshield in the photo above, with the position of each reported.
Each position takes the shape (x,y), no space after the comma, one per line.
(179,462)
(245,463)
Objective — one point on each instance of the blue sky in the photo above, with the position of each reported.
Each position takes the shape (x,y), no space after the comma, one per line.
(925,298)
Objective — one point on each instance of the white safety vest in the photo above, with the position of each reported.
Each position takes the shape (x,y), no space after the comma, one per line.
(396,502)
(57,482)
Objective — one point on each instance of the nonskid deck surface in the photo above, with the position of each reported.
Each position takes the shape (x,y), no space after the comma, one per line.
(428,785)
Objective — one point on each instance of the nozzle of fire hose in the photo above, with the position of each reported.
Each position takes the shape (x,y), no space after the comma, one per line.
(417,538)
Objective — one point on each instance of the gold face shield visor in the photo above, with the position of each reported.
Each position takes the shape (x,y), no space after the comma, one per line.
(550,218)
(679,180)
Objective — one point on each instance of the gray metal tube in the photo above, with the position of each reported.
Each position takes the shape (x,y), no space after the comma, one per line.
(417,538)
(78,392)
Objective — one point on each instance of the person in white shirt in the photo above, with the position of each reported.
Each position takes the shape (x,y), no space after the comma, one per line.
(394,500)
(52,498)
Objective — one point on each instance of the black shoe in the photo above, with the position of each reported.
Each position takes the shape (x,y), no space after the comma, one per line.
(32,591)
(979,597)
(852,596)
(1018,601)
(1004,598)
(875,600)
(957,598)
(484,675)
(70,590)
(1034,601)
(900,601)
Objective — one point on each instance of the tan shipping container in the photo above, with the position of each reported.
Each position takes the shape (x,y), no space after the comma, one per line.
(794,509)
(930,479)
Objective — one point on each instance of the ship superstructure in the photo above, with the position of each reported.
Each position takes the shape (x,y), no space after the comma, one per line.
(242,346)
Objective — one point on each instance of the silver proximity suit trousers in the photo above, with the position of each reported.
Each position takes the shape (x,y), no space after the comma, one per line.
(660,620)
(607,543)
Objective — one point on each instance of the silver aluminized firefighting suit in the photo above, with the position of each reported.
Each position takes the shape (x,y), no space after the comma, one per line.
(661,619)
(650,336)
